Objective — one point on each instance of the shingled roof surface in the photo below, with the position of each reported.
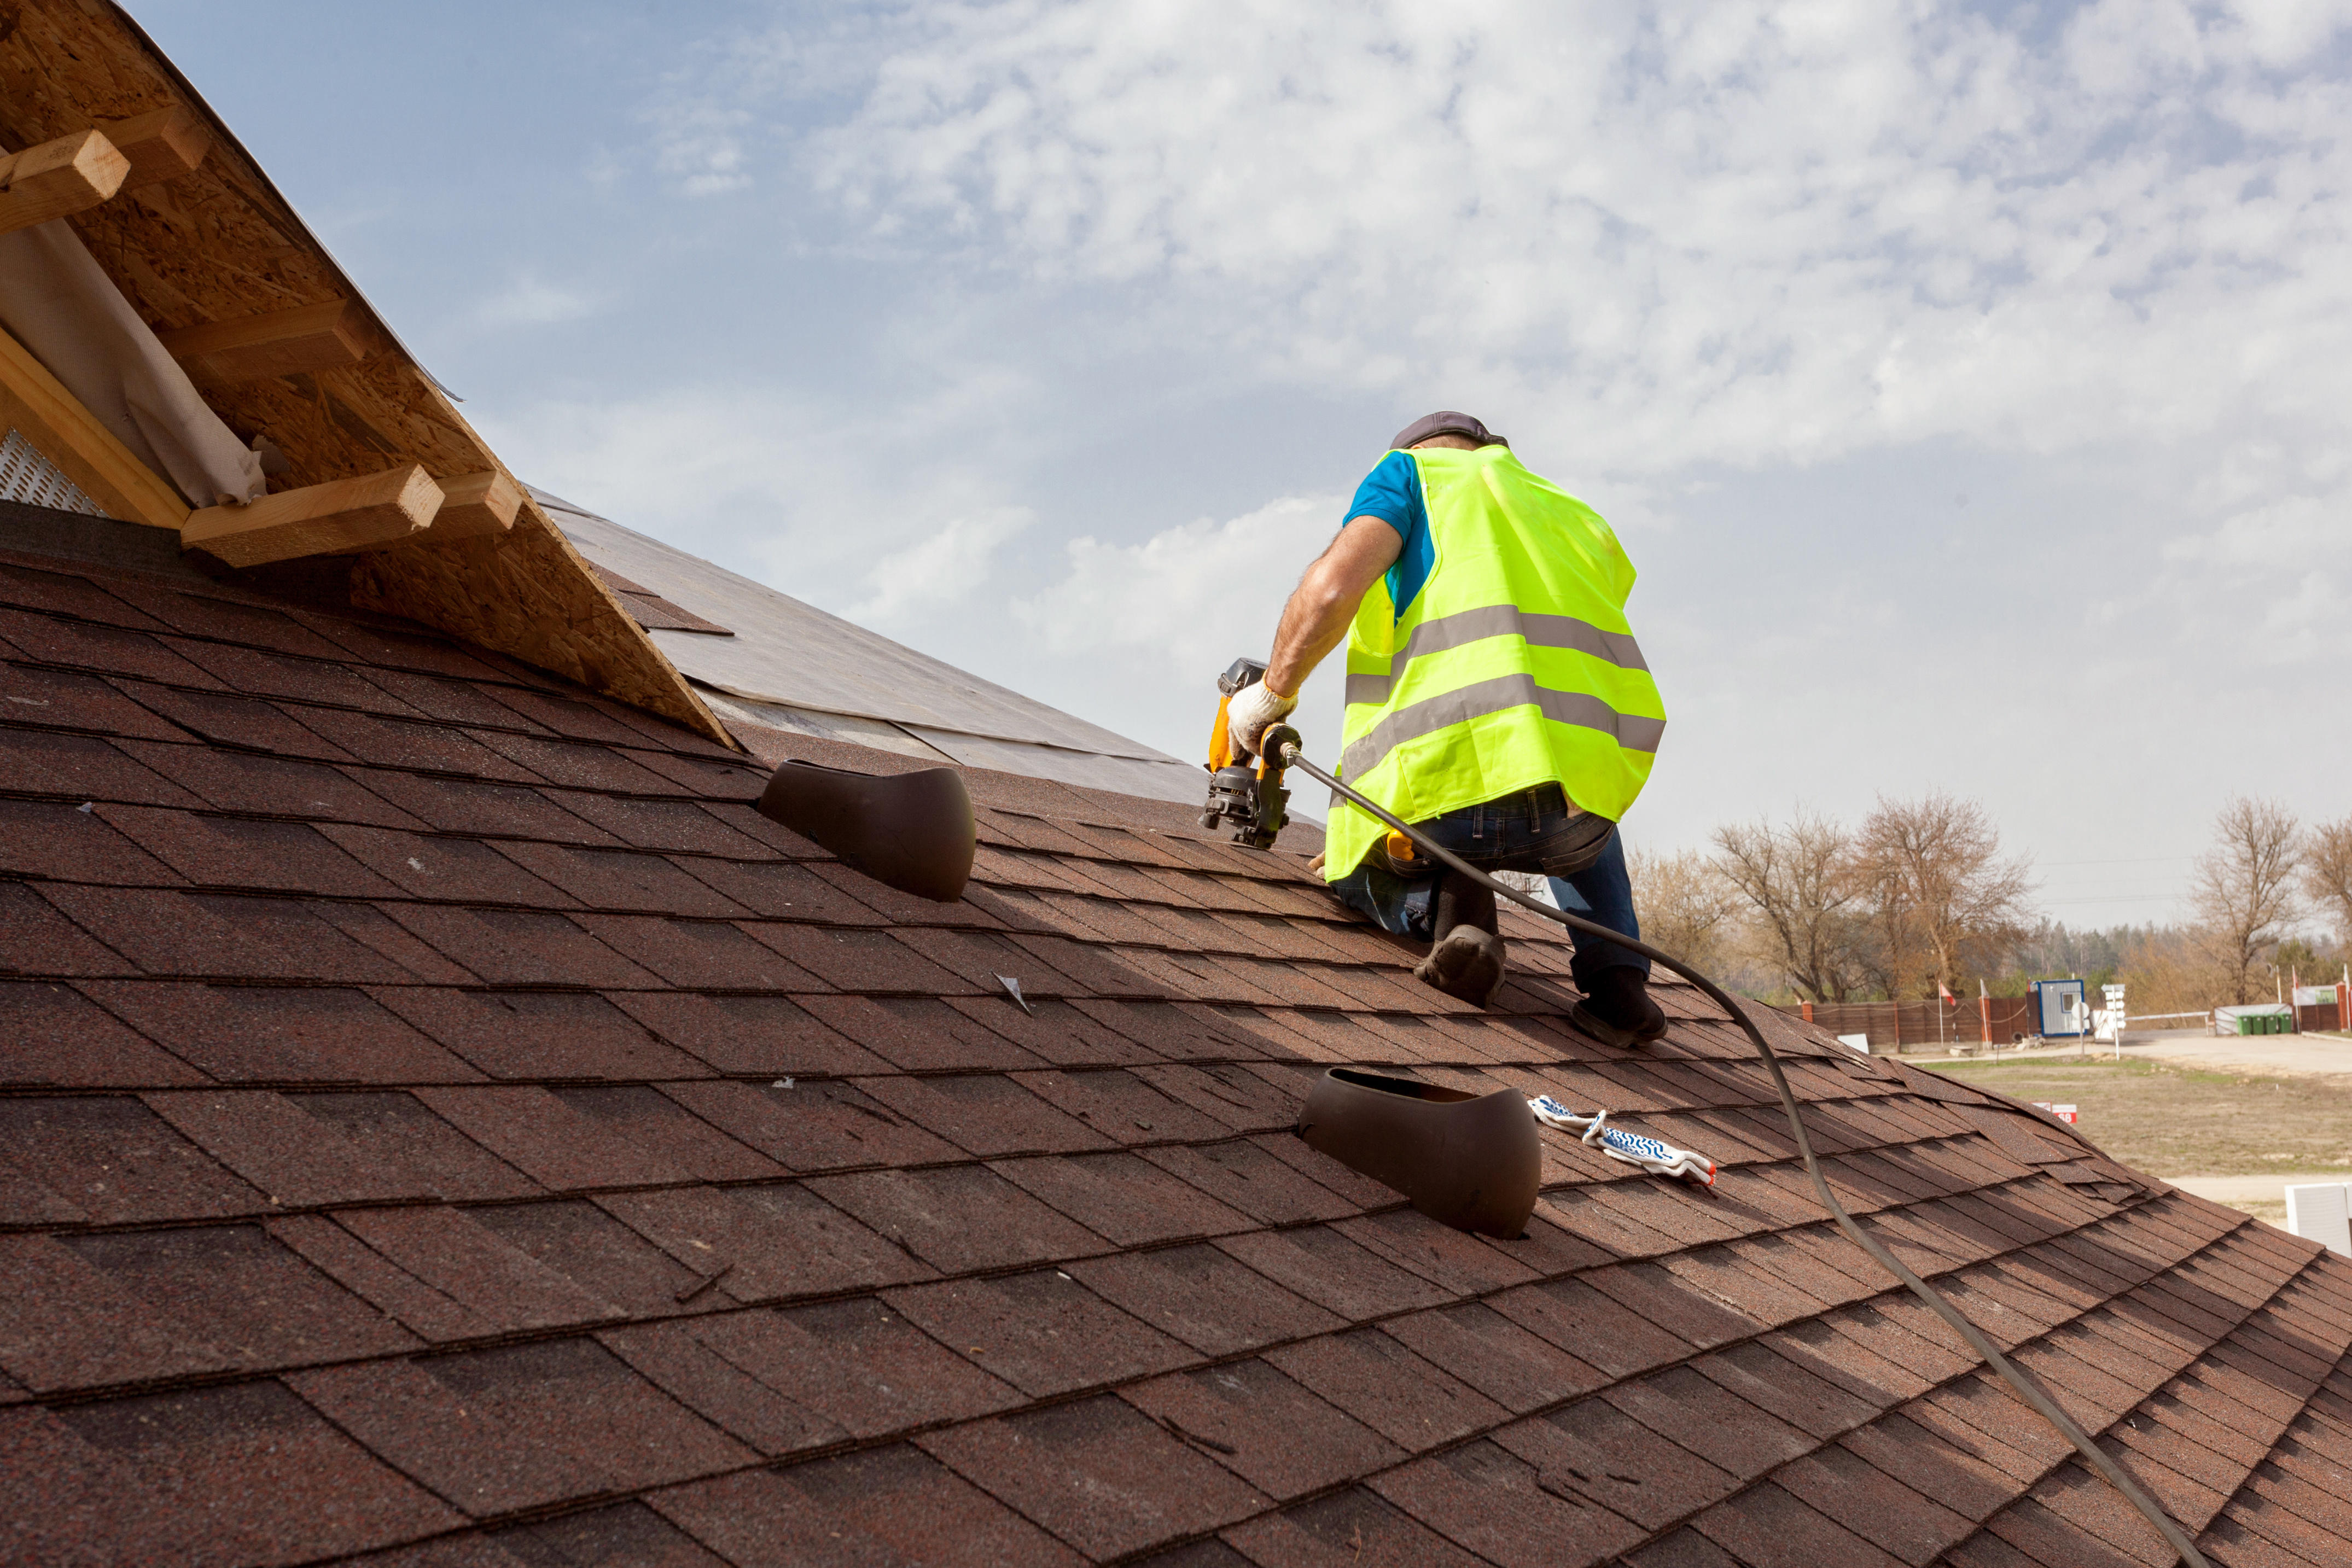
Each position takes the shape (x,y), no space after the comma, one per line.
(442,1121)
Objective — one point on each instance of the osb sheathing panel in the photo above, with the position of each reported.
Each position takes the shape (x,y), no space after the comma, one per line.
(219,244)
(529,588)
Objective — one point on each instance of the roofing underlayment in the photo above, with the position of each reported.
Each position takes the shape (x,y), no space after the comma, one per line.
(791,666)
(440,1119)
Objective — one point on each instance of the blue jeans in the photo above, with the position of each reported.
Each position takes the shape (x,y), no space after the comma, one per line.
(1530,831)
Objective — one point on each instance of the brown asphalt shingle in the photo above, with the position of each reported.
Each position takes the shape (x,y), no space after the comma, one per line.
(436,1112)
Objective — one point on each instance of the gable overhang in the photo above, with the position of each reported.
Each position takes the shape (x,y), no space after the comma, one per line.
(377,466)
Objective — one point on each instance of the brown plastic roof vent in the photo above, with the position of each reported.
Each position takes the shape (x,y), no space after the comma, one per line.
(912,832)
(1470,1161)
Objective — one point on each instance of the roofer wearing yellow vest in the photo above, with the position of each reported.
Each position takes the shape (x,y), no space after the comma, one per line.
(1495,700)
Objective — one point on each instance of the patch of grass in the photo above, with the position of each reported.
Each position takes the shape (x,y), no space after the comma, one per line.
(2182,1122)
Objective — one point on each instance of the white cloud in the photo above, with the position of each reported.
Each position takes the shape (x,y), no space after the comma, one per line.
(798,488)
(2300,535)
(707,118)
(1141,631)
(2282,32)
(948,567)
(1771,284)
(661,459)
(532,301)
(1706,232)
(698,147)
(1188,590)
(2264,591)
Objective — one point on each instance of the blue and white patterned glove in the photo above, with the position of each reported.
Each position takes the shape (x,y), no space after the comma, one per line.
(1657,1158)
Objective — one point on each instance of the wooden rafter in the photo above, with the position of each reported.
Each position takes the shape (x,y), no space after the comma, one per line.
(278,343)
(70,174)
(336,517)
(162,144)
(217,244)
(85,451)
(478,505)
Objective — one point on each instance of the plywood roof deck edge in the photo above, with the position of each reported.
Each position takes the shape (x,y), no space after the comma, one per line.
(218,245)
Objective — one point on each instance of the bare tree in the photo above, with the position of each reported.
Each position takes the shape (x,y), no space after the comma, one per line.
(1800,879)
(1887,949)
(2245,886)
(1687,906)
(2169,969)
(2327,875)
(1943,892)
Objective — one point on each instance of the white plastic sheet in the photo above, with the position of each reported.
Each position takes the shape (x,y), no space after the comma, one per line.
(56,302)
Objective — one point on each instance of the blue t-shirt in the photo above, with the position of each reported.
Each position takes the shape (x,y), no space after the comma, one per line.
(1391,492)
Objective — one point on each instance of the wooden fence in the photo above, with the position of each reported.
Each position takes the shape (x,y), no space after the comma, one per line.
(1906,1025)
(2326,1015)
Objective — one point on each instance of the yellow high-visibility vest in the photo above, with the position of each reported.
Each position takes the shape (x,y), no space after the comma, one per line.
(1512,667)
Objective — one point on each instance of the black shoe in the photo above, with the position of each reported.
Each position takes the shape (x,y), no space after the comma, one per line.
(1466,963)
(1617,1009)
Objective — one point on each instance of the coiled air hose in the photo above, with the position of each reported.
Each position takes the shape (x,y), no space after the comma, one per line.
(1283,742)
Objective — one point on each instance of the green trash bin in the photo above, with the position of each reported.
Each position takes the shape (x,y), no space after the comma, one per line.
(2246,1023)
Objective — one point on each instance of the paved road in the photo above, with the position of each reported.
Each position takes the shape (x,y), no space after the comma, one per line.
(2252,1189)
(2284,1055)
(2271,1055)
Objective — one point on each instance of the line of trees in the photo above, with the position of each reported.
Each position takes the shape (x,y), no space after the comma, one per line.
(1918,897)
(1913,898)
(2264,877)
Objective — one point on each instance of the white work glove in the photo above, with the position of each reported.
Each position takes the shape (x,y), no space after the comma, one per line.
(1254,710)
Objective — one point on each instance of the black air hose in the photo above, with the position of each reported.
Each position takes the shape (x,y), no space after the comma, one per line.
(1284,743)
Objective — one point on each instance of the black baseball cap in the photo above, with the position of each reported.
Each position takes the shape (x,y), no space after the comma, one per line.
(1445,422)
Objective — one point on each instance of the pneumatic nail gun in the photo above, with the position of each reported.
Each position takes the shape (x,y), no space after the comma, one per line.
(1250,798)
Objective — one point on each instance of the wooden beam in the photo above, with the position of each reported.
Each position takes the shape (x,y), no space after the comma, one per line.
(198,248)
(340,515)
(473,507)
(70,174)
(478,505)
(280,343)
(69,435)
(160,144)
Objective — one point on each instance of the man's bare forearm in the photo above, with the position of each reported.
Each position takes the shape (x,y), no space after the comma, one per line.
(1312,624)
(1317,618)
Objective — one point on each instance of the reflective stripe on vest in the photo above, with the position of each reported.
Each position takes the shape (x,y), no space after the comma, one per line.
(1513,666)
(1499,621)
(1631,731)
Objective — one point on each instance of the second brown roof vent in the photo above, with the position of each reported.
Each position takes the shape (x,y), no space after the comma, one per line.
(913,831)
(1466,1160)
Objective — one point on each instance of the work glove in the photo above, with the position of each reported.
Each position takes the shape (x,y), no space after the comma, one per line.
(1252,711)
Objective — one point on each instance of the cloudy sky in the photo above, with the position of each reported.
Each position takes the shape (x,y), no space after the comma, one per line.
(1969,385)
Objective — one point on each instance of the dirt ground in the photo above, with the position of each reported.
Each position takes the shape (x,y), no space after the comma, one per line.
(2177,1121)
